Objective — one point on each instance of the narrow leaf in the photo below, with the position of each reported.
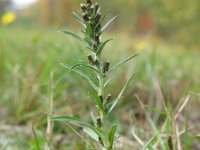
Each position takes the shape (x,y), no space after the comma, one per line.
(84,65)
(76,133)
(99,103)
(114,103)
(73,35)
(122,62)
(108,23)
(93,117)
(103,45)
(89,30)
(102,19)
(90,81)
(78,18)
(91,133)
(112,135)
(104,16)
(75,121)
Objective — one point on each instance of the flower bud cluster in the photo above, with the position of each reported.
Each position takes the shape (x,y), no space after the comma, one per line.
(92,16)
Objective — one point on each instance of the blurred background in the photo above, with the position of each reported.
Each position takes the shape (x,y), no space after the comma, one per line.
(165,33)
(176,21)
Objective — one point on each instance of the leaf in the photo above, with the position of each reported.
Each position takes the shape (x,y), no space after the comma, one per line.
(91,133)
(89,30)
(111,135)
(102,19)
(122,62)
(99,103)
(73,35)
(101,47)
(104,16)
(108,23)
(93,117)
(114,103)
(90,81)
(84,65)
(78,18)
(76,133)
(75,121)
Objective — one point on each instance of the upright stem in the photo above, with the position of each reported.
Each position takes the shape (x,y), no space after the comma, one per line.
(92,19)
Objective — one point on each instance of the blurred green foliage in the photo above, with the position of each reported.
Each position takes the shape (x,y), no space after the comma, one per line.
(174,20)
(27,58)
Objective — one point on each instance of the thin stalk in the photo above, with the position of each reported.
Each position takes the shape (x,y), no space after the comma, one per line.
(50,111)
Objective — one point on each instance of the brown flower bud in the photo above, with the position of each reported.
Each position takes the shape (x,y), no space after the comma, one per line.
(97,39)
(89,2)
(92,9)
(96,6)
(106,66)
(85,17)
(97,18)
(96,62)
(91,60)
(100,141)
(99,123)
(98,29)
(83,7)
(108,98)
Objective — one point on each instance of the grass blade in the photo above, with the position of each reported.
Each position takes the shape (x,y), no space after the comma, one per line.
(155,129)
(156,110)
(149,142)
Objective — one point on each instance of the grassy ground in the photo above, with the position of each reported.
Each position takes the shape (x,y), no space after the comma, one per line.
(30,76)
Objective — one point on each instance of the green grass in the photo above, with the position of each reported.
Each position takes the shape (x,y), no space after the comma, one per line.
(29,56)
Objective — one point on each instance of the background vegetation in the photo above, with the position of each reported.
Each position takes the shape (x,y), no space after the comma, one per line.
(165,33)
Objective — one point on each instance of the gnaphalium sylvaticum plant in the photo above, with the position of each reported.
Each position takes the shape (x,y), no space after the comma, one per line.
(92,21)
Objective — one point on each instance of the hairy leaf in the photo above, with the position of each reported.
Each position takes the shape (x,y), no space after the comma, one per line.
(114,103)
(73,35)
(75,121)
(112,135)
(108,23)
(102,46)
(84,65)
(78,18)
(91,82)
(99,103)
(122,62)
(91,133)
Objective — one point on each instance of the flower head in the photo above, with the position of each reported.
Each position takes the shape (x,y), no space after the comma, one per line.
(8,18)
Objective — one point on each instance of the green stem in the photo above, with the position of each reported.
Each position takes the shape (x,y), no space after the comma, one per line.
(103,116)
